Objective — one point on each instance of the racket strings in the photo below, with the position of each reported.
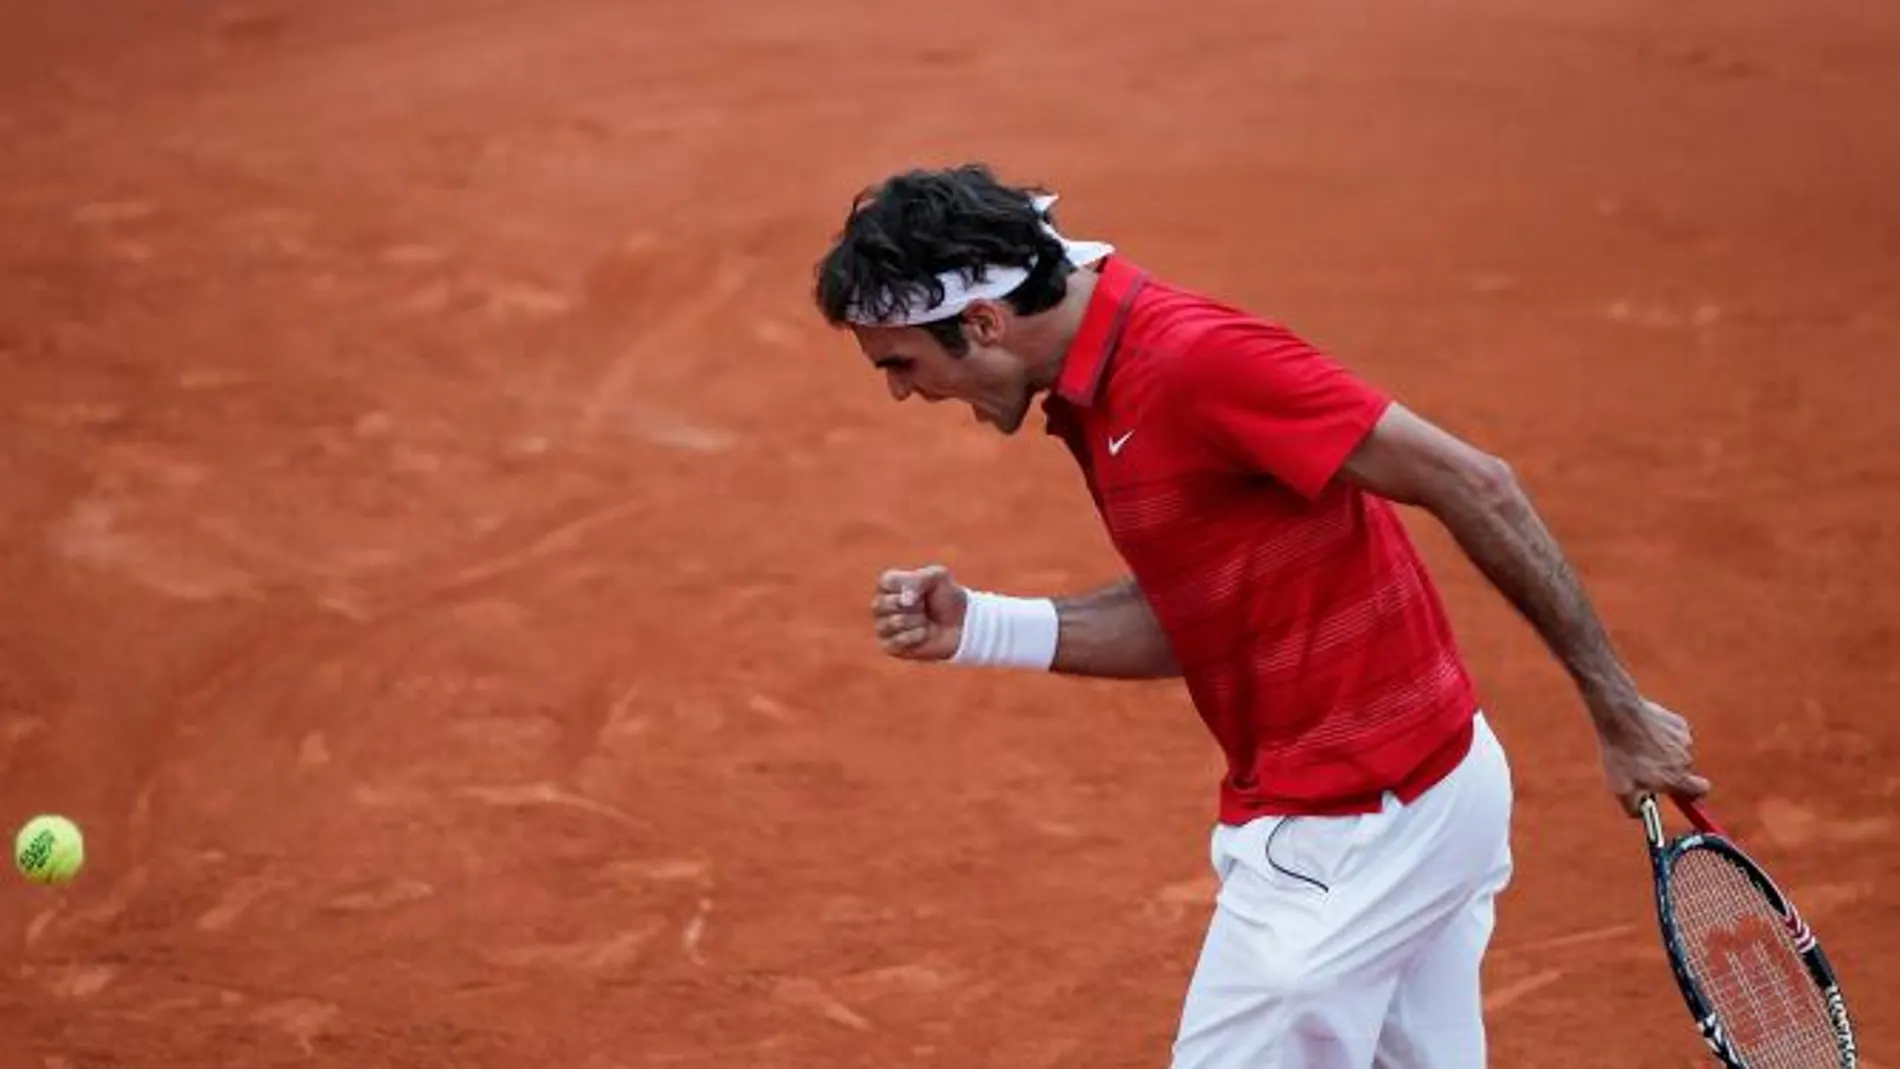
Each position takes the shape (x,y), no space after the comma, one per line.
(1744,960)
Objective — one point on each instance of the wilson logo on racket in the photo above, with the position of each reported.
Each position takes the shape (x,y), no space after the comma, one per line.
(1837,1013)
(1738,959)
(1752,974)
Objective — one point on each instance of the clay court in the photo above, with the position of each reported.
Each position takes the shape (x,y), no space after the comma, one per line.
(437,530)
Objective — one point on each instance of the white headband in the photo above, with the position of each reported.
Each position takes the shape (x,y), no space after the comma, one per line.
(959,289)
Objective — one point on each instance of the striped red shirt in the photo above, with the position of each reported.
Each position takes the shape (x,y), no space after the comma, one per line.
(1311,639)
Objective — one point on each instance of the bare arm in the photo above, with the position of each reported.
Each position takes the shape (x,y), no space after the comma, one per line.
(1478,499)
(1112,633)
(1109,633)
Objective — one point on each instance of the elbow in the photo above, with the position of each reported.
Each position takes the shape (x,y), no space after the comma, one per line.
(1492,480)
(1481,485)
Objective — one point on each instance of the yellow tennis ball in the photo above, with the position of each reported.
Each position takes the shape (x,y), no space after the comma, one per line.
(49,849)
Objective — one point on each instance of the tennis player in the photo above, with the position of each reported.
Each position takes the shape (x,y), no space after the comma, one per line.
(1251,485)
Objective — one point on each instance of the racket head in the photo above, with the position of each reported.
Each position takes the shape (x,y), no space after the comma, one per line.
(1754,977)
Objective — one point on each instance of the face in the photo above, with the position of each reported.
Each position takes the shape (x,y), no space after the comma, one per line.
(989,378)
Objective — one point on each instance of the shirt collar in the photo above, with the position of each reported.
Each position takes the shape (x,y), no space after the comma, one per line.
(1085,364)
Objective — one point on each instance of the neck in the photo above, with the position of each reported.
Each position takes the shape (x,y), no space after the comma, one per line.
(1045,338)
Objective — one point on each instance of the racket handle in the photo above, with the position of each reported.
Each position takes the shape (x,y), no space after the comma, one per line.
(1699,816)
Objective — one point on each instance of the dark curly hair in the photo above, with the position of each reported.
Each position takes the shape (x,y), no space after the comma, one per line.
(900,235)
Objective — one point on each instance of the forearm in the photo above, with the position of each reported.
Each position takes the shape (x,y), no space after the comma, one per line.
(1112,633)
(1500,531)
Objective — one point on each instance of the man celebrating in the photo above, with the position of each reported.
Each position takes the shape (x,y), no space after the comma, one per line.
(1250,482)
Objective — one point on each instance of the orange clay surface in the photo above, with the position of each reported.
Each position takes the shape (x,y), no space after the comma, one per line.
(436,532)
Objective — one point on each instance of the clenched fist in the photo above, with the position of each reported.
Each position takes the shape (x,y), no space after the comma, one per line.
(919,614)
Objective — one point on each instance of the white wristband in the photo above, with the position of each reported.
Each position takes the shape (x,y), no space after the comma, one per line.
(1007,632)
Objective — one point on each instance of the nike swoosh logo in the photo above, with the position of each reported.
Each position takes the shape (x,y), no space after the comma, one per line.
(1115,444)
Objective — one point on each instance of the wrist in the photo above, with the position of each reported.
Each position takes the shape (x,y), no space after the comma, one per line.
(1008,632)
(1613,708)
(1605,685)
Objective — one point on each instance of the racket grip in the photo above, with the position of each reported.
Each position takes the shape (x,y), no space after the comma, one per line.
(1699,817)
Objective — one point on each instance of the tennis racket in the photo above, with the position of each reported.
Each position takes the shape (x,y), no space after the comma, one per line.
(1756,981)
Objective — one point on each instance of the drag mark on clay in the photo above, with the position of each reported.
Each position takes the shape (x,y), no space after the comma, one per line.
(91,534)
(916,979)
(805,994)
(1182,899)
(696,931)
(621,721)
(38,925)
(1591,935)
(532,795)
(329,579)
(676,323)
(1792,825)
(81,981)
(585,955)
(633,874)
(1519,990)
(668,429)
(617,727)
(389,896)
(556,540)
(239,898)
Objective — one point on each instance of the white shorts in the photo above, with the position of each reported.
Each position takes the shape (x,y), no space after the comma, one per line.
(1355,942)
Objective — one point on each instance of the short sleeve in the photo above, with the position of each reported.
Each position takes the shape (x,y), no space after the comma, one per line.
(1263,399)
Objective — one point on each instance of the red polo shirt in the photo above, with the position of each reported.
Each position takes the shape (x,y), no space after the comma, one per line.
(1309,635)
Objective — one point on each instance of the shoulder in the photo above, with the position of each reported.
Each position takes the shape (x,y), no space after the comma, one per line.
(1170,318)
(1201,348)
(1210,344)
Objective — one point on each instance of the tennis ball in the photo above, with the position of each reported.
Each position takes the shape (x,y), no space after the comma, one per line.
(49,849)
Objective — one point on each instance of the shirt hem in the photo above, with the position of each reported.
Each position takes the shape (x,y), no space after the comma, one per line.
(1439,763)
